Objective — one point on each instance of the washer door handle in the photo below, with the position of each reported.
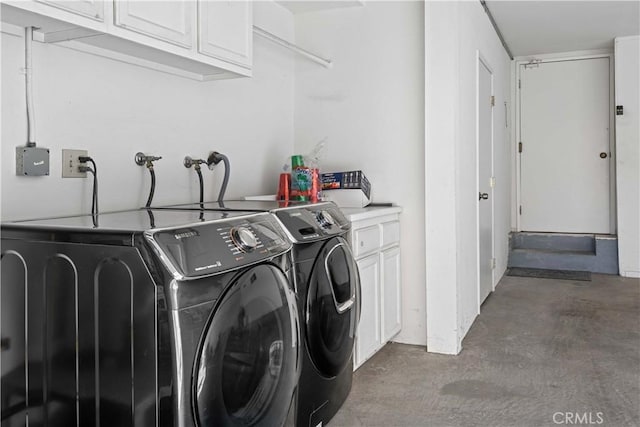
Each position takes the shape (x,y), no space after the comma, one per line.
(344,306)
(341,308)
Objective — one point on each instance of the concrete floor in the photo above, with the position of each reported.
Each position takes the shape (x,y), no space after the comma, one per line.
(540,352)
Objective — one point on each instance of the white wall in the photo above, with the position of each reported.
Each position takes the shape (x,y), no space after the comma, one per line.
(370,107)
(114,109)
(627,70)
(455,32)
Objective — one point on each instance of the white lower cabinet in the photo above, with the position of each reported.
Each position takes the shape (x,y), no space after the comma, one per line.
(391,316)
(375,242)
(368,338)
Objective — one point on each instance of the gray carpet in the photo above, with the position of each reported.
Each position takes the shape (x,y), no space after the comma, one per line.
(535,352)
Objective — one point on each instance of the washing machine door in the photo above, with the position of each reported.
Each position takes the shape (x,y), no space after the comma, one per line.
(247,369)
(332,308)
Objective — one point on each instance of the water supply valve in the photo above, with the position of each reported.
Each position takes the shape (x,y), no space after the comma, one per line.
(190,161)
(142,159)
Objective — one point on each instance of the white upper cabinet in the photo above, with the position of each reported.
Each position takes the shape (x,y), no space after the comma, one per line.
(201,40)
(171,21)
(93,9)
(226,31)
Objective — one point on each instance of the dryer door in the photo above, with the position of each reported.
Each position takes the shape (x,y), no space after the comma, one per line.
(247,367)
(332,308)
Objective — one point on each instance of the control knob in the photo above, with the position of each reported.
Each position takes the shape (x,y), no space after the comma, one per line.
(244,238)
(324,219)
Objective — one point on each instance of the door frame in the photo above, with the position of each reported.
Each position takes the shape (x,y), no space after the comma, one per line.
(571,56)
(481,59)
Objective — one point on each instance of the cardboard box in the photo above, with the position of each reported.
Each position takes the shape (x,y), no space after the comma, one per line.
(349,189)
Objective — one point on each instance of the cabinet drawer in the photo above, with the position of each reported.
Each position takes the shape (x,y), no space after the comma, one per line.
(366,240)
(390,233)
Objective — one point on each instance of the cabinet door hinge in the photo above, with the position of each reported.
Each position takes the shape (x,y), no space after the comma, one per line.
(519,147)
(493,263)
(492,182)
(520,210)
(493,101)
(519,84)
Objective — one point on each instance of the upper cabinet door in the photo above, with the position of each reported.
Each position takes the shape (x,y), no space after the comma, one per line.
(93,9)
(226,31)
(171,21)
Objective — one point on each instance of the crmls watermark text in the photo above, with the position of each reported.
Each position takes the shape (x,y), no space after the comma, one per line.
(575,418)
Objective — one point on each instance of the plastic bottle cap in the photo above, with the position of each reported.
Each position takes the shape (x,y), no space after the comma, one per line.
(297,160)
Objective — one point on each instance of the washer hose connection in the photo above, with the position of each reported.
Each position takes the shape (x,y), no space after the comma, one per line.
(142,159)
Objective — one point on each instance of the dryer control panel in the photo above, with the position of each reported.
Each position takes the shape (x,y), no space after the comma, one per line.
(214,247)
(313,222)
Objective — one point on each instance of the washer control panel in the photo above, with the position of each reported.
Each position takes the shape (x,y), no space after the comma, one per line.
(243,238)
(325,219)
(313,222)
(213,247)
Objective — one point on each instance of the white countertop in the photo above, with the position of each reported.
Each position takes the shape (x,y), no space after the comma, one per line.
(359,214)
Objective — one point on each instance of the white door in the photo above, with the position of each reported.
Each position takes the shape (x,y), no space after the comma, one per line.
(485,194)
(564,130)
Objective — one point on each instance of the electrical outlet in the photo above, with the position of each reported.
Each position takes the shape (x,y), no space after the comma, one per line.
(70,163)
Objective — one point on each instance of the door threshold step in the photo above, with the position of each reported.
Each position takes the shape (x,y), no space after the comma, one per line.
(554,241)
(559,234)
(549,274)
(558,251)
(555,251)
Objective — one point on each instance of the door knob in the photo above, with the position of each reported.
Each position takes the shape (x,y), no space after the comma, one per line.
(603,155)
(483,196)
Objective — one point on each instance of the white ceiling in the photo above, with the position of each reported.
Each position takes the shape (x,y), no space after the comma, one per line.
(539,27)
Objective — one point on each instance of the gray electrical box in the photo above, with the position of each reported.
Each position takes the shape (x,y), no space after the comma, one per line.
(32,161)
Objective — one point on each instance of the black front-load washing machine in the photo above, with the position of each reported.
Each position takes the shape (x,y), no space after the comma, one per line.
(149,318)
(328,288)
(328,293)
